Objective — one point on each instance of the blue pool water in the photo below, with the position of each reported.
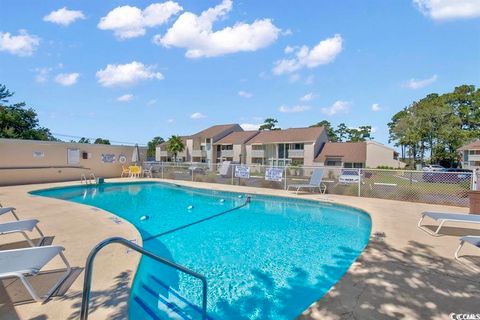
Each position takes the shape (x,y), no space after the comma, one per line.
(267,260)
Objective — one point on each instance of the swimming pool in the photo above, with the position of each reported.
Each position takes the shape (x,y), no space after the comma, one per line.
(269,259)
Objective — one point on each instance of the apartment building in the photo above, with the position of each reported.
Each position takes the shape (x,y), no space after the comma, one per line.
(281,147)
(233,146)
(365,154)
(470,155)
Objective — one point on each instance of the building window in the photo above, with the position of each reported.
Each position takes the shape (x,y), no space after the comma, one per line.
(333,162)
(297,146)
(358,165)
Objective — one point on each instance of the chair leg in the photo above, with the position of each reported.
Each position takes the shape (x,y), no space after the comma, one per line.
(61,280)
(29,288)
(458,249)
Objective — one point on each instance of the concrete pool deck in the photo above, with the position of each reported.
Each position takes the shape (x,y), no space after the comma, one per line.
(403,273)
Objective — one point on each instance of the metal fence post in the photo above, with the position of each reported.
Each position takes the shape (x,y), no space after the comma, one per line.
(162,165)
(233,169)
(285,174)
(359,182)
(474,181)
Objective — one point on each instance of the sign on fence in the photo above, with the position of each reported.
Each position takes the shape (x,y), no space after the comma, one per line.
(273,174)
(108,158)
(242,172)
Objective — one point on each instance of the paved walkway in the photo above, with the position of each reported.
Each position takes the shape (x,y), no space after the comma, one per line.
(403,273)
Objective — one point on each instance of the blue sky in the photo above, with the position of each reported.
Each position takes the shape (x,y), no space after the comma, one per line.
(131,70)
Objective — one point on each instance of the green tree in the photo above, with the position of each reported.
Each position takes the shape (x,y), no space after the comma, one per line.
(269,124)
(101,141)
(19,122)
(342,132)
(152,145)
(332,136)
(361,133)
(175,145)
(83,140)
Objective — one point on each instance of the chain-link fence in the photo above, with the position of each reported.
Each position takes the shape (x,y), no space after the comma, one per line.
(436,187)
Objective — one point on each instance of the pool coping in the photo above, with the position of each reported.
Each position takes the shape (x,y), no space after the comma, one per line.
(347,298)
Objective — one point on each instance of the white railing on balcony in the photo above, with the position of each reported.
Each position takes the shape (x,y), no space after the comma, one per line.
(295,153)
(258,154)
(474,157)
(163,153)
(199,153)
(226,153)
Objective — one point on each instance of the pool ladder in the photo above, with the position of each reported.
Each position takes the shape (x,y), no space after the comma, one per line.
(87,282)
(91,179)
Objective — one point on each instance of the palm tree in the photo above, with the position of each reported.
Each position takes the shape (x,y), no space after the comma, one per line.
(175,145)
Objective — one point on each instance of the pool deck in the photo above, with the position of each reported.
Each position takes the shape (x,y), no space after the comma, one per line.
(403,273)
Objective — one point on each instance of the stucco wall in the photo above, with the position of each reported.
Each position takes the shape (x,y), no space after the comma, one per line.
(26,161)
(380,155)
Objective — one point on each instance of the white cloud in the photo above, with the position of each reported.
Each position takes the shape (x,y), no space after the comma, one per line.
(171,120)
(197,115)
(126,74)
(67,79)
(288,49)
(323,53)
(310,79)
(449,9)
(42,74)
(294,78)
(338,107)
(151,102)
(420,83)
(307,97)
(250,126)
(376,107)
(245,94)
(294,109)
(125,98)
(64,16)
(130,22)
(195,33)
(21,45)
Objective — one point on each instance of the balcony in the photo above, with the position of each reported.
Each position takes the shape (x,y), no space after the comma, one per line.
(199,153)
(258,153)
(163,153)
(226,153)
(474,157)
(295,153)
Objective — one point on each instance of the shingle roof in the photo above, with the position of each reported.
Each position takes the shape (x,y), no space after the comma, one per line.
(348,151)
(216,130)
(287,135)
(240,137)
(474,145)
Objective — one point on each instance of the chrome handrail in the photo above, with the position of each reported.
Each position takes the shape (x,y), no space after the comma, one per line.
(89,264)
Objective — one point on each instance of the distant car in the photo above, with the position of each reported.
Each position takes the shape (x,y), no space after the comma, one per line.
(450,175)
(349,177)
(433,167)
(197,169)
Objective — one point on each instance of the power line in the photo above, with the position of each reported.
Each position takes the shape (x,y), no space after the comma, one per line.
(93,139)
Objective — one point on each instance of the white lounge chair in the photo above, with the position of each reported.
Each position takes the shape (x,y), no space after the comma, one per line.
(21,226)
(29,261)
(473,240)
(315,182)
(5,210)
(443,217)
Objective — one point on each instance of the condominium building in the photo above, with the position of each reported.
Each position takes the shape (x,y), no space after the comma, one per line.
(470,155)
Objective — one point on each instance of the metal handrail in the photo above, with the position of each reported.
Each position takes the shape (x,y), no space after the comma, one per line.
(89,264)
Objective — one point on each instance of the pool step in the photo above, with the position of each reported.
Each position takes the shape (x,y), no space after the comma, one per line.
(156,300)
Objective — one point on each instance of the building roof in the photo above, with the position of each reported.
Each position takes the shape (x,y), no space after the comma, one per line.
(348,151)
(214,131)
(290,135)
(473,145)
(239,137)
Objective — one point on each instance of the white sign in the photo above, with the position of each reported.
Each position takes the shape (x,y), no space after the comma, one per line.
(242,172)
(73,156)
(38,154)
(108,158)
(273,174)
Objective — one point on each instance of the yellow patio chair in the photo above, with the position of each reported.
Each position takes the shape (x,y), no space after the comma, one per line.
(125,171)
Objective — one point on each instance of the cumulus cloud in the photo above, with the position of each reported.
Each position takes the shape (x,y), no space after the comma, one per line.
(338,107)
(64,16)
(324,52)
(376,107)
(420,83)
(250,126)
(151,102)
(293,109)
(42,74)
(21,45)
(449,9)
(67,79)
(125,98)
(130,22)
(197,115)
(195,33)
(245,94)
(126,74)
(171,120)
(307,97)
